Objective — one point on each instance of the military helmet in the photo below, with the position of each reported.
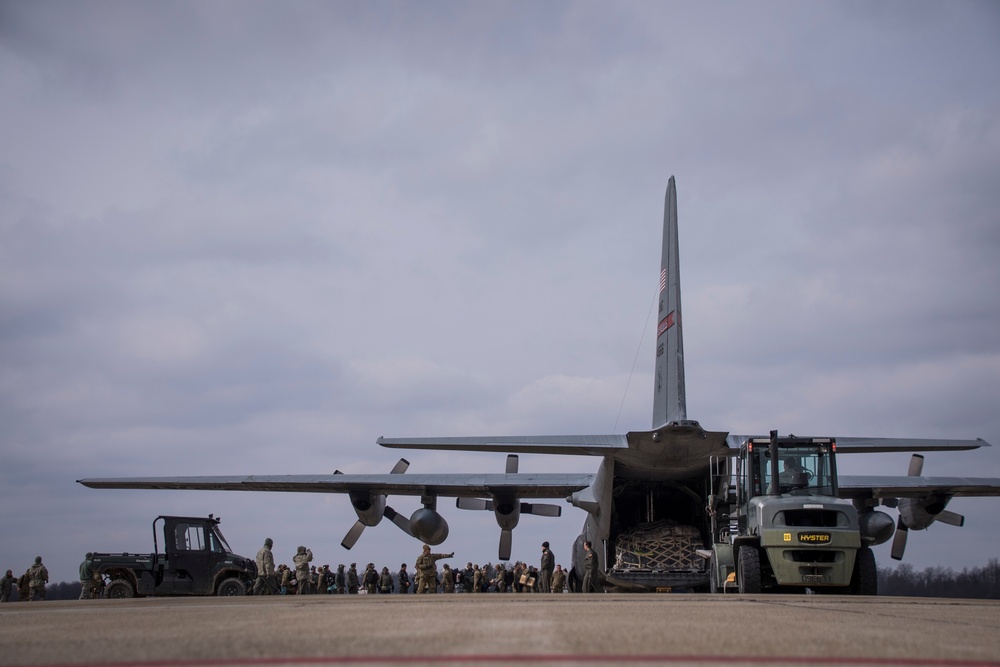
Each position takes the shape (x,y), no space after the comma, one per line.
(90,555)
(38,560)
(269,543)
(302,550)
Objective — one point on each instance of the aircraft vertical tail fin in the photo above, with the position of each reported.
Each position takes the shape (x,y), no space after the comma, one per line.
(669,401)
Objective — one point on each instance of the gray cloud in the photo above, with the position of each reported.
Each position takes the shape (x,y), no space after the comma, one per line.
(251,238)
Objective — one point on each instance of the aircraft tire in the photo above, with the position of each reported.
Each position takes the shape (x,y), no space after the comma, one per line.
(748,566)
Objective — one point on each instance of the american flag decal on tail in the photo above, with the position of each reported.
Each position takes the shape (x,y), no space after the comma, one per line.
(663,279)
(665,324)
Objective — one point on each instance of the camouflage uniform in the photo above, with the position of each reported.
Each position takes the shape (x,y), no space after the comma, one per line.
(558,580)
(286,579)
(86,579)
(477,579)
(500,579)
(352,579)
(23,586)
(385,583)
(427,570)
(265,583)
(467,577)
(38,576)
(302,559)
(6,586)
(545,569)
(447,579)
(591,574)
(341,580)
(370,579)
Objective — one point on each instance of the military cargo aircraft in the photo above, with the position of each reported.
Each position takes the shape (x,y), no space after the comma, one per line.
(647,505)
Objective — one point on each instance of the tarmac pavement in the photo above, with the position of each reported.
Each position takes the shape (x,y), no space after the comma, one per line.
(495,629)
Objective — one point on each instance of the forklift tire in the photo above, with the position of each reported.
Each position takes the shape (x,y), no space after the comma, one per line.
(231,587)
(119,589)
(864,581)
(748,564)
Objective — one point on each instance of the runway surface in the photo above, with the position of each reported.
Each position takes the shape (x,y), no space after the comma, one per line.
(491,629)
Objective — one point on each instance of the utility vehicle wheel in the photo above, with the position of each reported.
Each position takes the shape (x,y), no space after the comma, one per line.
(119,588)
(231,587)
(864,581)
(748,564)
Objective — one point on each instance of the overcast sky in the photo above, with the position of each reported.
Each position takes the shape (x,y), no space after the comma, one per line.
(248,238)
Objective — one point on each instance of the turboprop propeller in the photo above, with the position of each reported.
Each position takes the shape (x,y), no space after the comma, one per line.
(371,507)
(508,509)
(919,513)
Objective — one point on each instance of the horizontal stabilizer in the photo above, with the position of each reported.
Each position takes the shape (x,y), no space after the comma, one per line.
(570,445)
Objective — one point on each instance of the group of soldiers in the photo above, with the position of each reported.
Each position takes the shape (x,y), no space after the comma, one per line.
(30,585)
(303,578)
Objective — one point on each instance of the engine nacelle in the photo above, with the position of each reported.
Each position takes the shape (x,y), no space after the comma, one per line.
(919,513)
(369,507)
(507,512)
(428,526)
(876,527)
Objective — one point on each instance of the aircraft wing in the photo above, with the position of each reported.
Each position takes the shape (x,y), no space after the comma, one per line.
(573,445)
(883,445)
(525,485)
(884,486)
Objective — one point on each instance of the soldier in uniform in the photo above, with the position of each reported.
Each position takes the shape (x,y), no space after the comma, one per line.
(302,559)
(447,579)
(23,586)
(86,579)
(352,579)
(500,579)
(38,576)
(385,583)
(592,574)
(427,570)
(371,579)
(6,586)
(404,579)
(467,577)
(341,580)
(477,579)
(286,579)
(265,583)
(545,569)
(322,579)
(558,580)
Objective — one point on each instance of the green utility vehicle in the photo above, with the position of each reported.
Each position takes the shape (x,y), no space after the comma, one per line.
(196,560)
(779,526)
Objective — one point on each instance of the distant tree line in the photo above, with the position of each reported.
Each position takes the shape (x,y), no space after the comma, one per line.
(942,582)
